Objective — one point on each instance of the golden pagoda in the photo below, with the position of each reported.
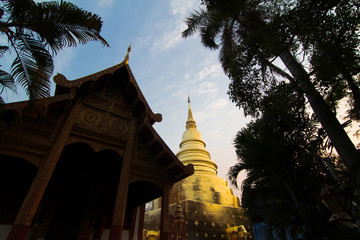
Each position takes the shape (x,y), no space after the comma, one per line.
(210,208)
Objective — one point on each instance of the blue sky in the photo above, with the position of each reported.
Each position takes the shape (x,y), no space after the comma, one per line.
(166,67)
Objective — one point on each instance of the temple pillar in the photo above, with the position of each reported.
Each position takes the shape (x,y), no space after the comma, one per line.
(36,191)
(133,223)
(123,186)
(137,223)
(141,221)
(165,223)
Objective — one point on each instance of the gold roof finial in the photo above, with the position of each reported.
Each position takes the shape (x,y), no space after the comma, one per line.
(126,59)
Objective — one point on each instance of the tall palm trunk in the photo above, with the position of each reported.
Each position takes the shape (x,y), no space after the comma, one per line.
(339,138)
(355,92)
(328,120)
(354,88)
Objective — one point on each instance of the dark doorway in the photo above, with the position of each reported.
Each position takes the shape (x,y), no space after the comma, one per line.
(16,176)
(139,193)
(81,194)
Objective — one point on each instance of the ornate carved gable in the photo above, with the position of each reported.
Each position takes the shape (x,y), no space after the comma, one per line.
(105,113)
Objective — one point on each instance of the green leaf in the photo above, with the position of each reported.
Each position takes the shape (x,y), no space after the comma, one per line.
(63,24)
(6,81)
(32,67)
(3,50)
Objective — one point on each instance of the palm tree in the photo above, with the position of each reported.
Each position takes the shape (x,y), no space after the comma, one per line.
(36,31)
(266,149)
(281,153)
(250,33)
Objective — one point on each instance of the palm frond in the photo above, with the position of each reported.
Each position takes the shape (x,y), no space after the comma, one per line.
(3,50)
(6,82)
(210,30)
(32,67)
(18,9)
(63,24)
(194,22)
(227,44)
(234,173)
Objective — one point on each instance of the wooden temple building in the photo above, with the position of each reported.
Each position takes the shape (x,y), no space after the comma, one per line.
(86,169)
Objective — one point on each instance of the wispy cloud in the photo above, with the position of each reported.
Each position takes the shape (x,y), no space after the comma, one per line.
(182,8)
(169,38)
(211,71)
(175,25)
(206,88)
(180,92)
(215,134)
(202,82)
(218,103)
(233,111)
(105,3)
(212,109)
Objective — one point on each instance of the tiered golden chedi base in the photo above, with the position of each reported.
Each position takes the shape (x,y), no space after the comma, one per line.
(205,188)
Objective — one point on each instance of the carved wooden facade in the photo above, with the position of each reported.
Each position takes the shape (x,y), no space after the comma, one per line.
(85,170)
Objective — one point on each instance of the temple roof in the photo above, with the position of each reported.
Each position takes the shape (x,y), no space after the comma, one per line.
(118,77)
(133,92)
(69,89)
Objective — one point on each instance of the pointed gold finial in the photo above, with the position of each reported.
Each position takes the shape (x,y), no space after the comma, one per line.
(190,123)
(126,59)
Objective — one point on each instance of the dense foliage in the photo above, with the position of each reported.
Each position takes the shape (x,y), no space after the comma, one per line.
(286,168)
(250,34)
(253,35)
(34,32)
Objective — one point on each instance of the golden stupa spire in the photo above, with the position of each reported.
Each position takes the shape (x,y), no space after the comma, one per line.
(126,58)
(190,123)
(192,148)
